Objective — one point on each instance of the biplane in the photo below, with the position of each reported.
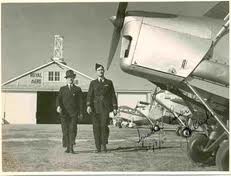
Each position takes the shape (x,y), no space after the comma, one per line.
(188,56)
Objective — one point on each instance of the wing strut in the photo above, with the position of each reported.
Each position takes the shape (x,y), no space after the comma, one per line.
(208,107)
(223,31)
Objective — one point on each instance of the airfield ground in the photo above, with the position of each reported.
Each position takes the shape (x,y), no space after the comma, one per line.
(35,148)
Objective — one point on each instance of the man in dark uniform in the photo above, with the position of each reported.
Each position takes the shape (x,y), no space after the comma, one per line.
(101,100)
(69,106)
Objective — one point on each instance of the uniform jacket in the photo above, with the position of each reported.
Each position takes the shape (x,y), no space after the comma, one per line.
(70,101)
(101,96)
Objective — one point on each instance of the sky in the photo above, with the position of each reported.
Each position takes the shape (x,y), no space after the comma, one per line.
(28,31)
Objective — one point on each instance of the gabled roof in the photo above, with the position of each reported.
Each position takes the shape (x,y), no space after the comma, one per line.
(27,73)
(41,67)
(28,82)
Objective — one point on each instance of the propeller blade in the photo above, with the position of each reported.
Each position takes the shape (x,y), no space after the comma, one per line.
(118,25)
(121,10)
(114,43)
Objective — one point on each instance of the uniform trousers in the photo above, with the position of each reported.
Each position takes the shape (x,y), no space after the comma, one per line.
(100,129)
(69,130)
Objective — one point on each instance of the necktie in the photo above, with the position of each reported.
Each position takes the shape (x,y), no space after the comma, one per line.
(70,86)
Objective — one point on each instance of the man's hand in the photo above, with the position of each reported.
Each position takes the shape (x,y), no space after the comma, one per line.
(80,116)
(59,109)
(89,110)
(114,112)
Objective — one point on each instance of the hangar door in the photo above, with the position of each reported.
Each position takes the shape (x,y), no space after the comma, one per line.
(19,108)
(46,109)
(131,99)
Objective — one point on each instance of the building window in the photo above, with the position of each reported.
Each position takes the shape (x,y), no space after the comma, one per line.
(57,76)
(50,76)
(53,76)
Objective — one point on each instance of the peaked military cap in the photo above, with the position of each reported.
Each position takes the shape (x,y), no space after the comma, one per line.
(98,66)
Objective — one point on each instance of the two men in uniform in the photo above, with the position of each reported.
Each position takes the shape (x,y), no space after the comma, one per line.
(101,100)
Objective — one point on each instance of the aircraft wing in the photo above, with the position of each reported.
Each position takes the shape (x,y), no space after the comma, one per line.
(129,114)
(138,120)
(220,10)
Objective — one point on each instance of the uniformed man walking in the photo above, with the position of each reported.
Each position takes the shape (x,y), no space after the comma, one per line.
(69,106)
(101,100)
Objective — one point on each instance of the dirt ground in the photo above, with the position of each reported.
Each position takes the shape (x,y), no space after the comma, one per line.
(27,148)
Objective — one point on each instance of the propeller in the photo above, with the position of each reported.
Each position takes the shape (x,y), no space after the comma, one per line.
(118,25)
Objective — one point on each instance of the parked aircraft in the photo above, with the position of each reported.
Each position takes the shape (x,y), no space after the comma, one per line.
(130,115)
(151,114)
(187,56)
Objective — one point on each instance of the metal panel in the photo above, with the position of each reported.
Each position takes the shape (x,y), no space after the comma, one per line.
(168,51)
(132,26)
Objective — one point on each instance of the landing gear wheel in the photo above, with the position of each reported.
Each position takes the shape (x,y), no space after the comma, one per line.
(156,128)
(186,132)
(222,156)
(195,148)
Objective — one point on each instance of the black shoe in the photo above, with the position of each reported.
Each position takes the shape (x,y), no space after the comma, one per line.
(73,152)
(104,148)
(105,151)
(67,151)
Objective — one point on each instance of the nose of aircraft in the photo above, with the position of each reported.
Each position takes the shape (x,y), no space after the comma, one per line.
(118,25)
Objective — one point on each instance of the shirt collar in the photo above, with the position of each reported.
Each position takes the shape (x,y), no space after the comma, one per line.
(69,85)
(99,78)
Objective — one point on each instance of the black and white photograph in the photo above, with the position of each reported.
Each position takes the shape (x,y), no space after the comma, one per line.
(115,87)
